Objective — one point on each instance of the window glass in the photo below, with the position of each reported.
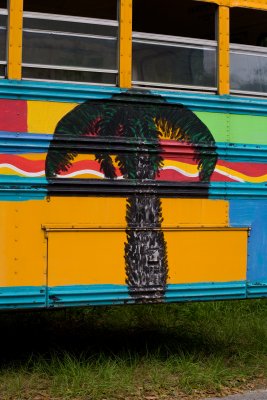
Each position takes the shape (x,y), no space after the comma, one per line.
(60,45)
(175,46)
(105,9)
(171,17)
(248,54)
(248,26)
(3,36)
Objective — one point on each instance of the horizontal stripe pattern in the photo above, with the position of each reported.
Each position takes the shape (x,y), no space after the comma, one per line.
(85,166)
(106,294)
(67,92)
(22,297)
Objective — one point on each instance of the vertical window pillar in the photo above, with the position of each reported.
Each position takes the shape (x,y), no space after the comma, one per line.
(223,30)
(15,21)
(125,44)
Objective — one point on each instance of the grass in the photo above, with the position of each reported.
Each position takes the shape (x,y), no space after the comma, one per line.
(134,352)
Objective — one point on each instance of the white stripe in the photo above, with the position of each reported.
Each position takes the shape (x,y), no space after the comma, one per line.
(235,178)
(101,175)
(181,171)
(21,171)
(86,171)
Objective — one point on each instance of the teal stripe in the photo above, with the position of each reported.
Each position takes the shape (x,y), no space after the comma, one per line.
(206,291)
(14,143)
(257,289)
(17,143)
(22,297)
(238,152)
(237,190)
(88,295)
(49,91)
(19,188)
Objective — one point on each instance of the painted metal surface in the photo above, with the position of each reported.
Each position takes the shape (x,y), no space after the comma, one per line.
(125,44)
(134,234)
(95,227)
(73,94)
(15,22)
(85,295)
(258,4)
(20,297)
(223,50)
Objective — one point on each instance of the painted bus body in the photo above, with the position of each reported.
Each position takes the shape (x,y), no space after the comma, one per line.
(118,196)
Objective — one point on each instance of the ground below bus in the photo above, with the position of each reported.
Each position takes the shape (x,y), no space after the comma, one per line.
(145,352)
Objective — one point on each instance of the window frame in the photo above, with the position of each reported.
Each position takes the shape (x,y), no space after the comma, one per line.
(14,40)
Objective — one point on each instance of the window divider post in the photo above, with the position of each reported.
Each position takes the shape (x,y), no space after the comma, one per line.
(14,47)
(125,43)
(223,41)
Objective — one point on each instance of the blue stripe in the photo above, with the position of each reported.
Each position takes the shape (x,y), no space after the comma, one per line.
(257,289)
(50,91)
(242,152)
(22,188)
(19,188)
(83,295)
(237,190)
(206,291)
(22,297)
(253,213)
(18,143)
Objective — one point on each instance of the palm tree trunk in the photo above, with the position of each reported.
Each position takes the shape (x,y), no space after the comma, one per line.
(145,250)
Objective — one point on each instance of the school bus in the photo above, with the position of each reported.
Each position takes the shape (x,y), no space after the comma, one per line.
(133,162)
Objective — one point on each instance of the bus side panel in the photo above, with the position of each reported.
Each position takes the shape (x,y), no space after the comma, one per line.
(69,250)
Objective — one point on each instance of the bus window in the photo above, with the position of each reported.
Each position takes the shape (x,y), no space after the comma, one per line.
(3,37)
(176,46)
(98,9)
(79,45)
(248,51)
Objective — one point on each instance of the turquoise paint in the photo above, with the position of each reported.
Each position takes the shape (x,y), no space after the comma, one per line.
(23,188)
(238,152)
(18,188)
(206,291)
(19,143)
(89,295)
(237,190)
(22,297)
(257,289)
(66,92)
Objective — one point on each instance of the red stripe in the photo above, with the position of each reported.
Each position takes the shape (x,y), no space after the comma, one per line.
(23,163)
(13,115)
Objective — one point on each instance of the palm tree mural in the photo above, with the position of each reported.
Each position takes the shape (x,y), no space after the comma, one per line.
(124,133)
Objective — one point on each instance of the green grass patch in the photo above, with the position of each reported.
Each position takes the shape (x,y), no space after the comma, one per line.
(135,352)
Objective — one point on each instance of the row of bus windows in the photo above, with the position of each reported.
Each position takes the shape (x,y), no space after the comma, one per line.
(174,44)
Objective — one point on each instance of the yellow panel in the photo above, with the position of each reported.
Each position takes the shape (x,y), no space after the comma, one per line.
(223,56)
(15,18)
(125,65)
(43,116)
(86,257)
(197,212)
(219,2)
(259,4)
(24,261)
(206,256)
